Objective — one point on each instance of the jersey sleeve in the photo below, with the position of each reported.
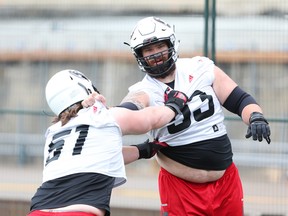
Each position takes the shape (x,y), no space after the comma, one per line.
(204,66)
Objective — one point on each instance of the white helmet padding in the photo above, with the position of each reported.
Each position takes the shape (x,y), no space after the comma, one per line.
(66,88)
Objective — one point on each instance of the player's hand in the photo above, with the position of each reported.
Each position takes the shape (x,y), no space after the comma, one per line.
(149,149)
(258,128)
(175,100)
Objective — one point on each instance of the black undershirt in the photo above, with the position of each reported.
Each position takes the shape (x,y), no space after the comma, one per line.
(81,188)
(212,154)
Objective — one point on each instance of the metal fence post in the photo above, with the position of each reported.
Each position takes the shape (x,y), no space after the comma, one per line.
(209,46)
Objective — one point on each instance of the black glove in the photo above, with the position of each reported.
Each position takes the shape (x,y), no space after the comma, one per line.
(258,128)
(175,100)
(149,149)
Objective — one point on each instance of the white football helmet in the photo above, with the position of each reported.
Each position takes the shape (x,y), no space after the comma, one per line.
(66,88)
(148,31)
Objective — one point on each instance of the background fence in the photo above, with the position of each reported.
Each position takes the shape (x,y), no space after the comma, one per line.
(39,39)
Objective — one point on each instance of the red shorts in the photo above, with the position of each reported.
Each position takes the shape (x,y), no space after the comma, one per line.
(42,213)
(222,197)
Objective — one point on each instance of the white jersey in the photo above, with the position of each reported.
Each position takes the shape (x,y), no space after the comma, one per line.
(203,117)
(90,142)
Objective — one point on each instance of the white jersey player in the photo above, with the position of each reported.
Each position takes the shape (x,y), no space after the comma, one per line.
(199,149)
(81,154)
(203,116)
(83,158)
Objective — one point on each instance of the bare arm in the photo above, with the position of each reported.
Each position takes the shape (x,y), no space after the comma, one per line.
(130,154)
(142,121)
(246,113)
(223,86)
(140,99)
(149,118)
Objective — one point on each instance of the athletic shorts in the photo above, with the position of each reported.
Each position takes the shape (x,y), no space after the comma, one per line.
(221,197)
(42,213)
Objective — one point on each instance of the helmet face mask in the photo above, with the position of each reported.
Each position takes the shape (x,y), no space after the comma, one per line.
(149,31)
(158,70)
(66,88)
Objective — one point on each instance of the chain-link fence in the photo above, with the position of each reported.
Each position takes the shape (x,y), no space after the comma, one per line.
(251,44)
